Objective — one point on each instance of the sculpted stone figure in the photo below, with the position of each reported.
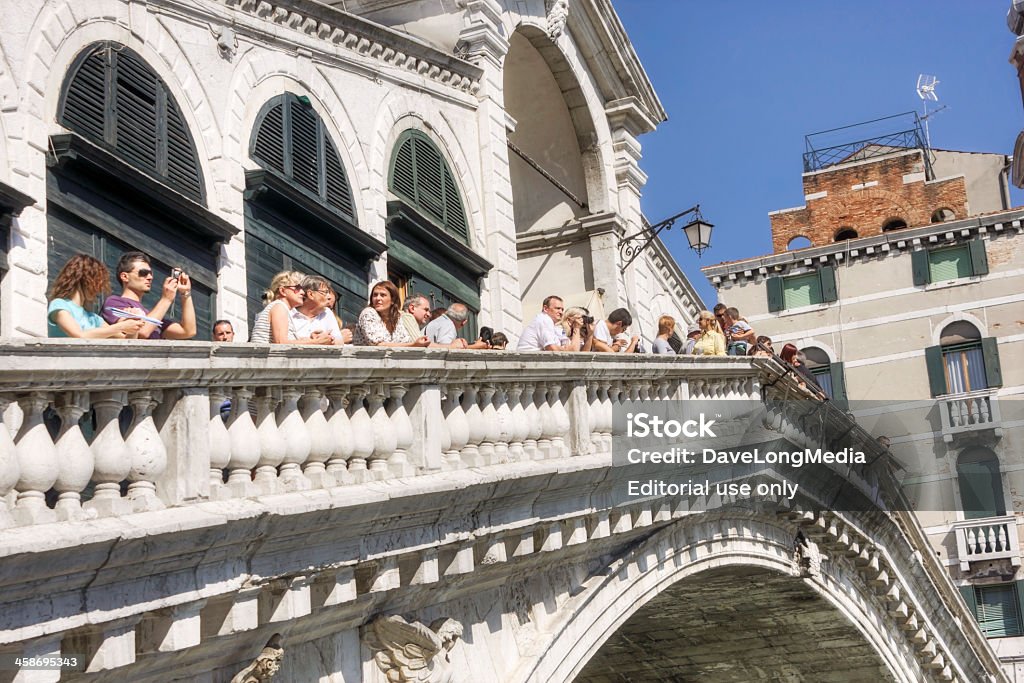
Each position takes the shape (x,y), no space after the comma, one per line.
(807,556)
(411,652)
(558,14)
(265,665)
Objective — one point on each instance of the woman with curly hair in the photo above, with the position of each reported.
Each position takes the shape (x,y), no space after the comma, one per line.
(378,324)
(79,284)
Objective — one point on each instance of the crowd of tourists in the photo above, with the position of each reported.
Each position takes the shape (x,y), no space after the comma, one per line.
(301,309)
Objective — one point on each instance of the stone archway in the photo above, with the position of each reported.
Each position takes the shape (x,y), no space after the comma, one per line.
(737,623)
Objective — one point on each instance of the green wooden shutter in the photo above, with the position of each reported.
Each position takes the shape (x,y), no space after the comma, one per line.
(775,300)
(998,613)
(135,104)
(1018,587)
(828,283)
(339,194)
(268,147)
(305,146)
(455,217)
(838,385)
(919,264)
(990,352)
(86,97)
(403,175)
(182,165)
(979,259)
(420,175)
(967,593)
(949,264)
(936,370)
(429,178)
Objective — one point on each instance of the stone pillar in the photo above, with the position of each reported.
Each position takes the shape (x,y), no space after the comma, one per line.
(186,478)
(424,405)
(484,44)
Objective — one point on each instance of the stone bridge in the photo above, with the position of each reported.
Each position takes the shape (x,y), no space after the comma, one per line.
(432,516)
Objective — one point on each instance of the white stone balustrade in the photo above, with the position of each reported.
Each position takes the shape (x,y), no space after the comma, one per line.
(154,438)
(969,412)
(987,540)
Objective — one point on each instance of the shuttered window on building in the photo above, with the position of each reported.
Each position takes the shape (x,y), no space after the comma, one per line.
(127,178)
(299,212)
(949,263)
(998,610)
(421,177)
(794,291)
(114,99)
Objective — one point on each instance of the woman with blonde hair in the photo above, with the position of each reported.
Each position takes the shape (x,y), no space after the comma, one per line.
(666,326)
(574,332)
(274,325)
(378,323)
(711,341)
(80,283)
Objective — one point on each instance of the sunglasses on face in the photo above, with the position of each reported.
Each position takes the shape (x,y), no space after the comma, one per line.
(294,288)
(144,272)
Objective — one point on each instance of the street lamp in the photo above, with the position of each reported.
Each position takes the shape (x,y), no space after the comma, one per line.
(698,234)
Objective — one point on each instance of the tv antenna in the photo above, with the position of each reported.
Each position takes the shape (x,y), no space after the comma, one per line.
(926,91)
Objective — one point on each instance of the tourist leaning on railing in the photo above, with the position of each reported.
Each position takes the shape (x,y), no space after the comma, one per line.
(379,323)
(711,341)
(79,284)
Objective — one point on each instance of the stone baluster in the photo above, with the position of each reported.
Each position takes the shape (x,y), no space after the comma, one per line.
(398,462)
(560,421)
(504,424)
(147,451)
(341,435)
(458,428)
(594,416)
(112,461)
(548,425)
(362,435)
(534,422)
(296,439)
(37,460)
(272,446)
(321,443)
(617,392)
(520,427)
(489,417)
(220,445)
(10,470)
(471,455)
(604,413)
(384,438)
(76,461)
(245,445)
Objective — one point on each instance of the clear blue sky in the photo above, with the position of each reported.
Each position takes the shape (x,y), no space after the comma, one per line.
(744,81)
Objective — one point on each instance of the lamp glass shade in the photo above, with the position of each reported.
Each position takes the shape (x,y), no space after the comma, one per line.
(698,234)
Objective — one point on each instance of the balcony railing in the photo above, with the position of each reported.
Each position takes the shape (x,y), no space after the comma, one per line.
(969,412)
(107,428)
(984,540)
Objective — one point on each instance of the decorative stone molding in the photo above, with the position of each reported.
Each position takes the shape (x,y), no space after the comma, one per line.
(265,665)
(558,15)
(410,652)
(365,39)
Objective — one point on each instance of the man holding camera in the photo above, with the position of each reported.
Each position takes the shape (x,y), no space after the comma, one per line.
(443,330)
(135,274)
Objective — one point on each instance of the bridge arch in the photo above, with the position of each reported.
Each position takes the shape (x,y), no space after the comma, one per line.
(692,558)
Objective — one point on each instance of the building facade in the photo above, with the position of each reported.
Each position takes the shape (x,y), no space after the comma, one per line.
(471,152)
(900,280)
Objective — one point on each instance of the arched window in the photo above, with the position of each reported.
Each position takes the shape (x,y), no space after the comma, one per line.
(798,242)
(291,140)
(300,214)
(943,215)
(844,234)
(127,178)
(828,375)
(113,98)
(420,175)
(963,362)
(894,224)
(980,482)
(429,250)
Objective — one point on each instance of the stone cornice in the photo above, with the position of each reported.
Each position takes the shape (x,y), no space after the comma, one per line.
(366,38)
(562,236)
(909,239)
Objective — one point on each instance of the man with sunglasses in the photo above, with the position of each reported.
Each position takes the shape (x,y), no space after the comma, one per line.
(135,274)
(314,320)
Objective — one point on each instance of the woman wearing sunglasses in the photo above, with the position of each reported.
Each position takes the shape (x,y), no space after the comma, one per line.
(274,324)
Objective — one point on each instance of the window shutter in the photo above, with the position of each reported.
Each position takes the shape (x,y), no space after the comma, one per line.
(828,283)
(919,264)
(775,302)
(979,259)
(990,352)
(967,593)
(429,178)
(936,370)
(86,98)
(1018,588)
(835,370)
(998,613)
(403,175)
(135,103)
(339,194)
(182,165)
(305,145)
(269,145)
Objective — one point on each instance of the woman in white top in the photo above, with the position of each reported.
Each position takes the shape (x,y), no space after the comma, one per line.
(378,323)
(274,325)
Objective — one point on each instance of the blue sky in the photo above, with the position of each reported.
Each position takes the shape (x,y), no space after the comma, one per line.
(744,81)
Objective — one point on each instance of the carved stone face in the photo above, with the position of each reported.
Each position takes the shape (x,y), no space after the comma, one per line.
(269,663)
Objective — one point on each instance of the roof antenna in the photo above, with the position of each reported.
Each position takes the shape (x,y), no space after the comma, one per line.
(926,91)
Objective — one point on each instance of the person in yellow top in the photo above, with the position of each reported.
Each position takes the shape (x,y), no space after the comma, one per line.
(711,341)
